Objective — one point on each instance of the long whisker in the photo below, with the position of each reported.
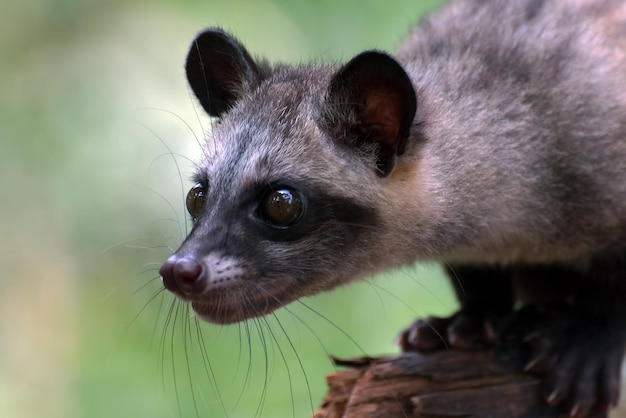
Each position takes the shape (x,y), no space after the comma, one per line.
(208,367)
(299,359)
(186,345)
(334,325)
(286,364)
(263,341)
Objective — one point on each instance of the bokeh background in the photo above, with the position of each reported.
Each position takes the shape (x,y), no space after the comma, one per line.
(98,135)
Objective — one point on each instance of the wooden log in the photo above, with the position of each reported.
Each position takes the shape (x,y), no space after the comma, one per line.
(445,384)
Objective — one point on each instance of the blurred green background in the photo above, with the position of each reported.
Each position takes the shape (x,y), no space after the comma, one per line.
(98,134)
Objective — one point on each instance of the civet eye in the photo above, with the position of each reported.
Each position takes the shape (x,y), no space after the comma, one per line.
(195,200)
(281,207)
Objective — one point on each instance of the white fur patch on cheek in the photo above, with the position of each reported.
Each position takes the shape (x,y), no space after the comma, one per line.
(224,271)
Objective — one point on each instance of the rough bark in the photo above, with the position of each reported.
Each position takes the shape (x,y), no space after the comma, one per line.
(483,383)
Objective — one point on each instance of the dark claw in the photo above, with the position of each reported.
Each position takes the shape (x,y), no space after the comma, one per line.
(461,330)
(465,332)
(554,398)
(578,411)
(424,335)
(536,365)
(580,359)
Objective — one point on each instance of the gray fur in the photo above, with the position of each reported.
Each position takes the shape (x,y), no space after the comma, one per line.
(517,154)
(525,127)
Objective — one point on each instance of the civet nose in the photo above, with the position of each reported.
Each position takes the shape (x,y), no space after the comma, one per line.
(183,275)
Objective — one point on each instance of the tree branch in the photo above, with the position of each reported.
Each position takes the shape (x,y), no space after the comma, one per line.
(445,384)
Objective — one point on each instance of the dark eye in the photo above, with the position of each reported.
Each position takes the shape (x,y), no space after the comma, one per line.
(195,200)
(281,207)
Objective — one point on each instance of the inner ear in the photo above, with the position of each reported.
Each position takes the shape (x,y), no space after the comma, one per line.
(379,114)
(219,70)
(371,101)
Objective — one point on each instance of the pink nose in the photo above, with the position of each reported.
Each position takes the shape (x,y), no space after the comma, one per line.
(184,276)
